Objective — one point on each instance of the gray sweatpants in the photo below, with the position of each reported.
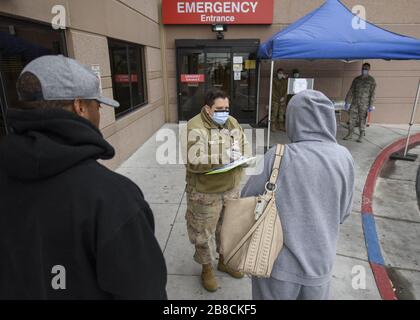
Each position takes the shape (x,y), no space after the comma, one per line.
(273,289)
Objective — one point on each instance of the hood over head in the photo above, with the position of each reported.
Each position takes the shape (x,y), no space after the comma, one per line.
(310,116)
(44,143)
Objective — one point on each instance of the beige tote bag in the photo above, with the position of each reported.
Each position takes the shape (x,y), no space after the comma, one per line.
(251,234)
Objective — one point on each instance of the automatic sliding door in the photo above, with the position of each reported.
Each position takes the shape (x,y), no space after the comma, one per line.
(191,82)
(228,65)
(244,93)
(219,69)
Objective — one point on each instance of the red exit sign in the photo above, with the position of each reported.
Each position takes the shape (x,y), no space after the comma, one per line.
(217,11)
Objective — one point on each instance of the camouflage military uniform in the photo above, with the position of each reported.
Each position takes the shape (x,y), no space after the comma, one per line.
(206,194)
(360,96)
(204,221)
(278,108)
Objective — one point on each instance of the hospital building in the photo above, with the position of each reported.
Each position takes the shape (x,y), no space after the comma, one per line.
(158,57)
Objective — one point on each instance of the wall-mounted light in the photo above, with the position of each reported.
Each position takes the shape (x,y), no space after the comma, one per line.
(219,28)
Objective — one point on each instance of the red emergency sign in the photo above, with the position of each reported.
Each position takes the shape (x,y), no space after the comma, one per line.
(217,11)
(125,78)
(192,78)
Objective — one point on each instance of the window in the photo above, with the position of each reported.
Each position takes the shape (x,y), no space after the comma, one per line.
(21,42)
(128,75)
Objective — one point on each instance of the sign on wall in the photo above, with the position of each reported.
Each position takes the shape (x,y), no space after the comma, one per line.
(192,78)
(125,78)
(96,69)
(217,11)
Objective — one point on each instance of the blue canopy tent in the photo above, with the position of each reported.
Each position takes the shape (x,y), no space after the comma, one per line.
(333,32)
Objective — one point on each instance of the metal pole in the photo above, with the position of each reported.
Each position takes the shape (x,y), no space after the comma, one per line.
(258,92)
(269,105)
(413,114)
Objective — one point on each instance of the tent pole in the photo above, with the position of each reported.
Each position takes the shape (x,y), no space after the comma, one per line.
(258,92)
(405,156)
(270,103)
(412,119)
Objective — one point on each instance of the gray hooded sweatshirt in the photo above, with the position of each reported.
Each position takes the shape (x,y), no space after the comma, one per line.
(315,190)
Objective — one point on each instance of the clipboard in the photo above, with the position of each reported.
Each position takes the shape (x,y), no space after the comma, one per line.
(241,161)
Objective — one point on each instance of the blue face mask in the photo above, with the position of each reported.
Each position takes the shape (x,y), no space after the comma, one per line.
(220,117)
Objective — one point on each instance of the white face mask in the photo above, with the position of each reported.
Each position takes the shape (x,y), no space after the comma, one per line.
(365,72)
(280,75)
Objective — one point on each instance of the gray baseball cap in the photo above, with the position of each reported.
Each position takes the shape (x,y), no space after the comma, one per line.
(64,78)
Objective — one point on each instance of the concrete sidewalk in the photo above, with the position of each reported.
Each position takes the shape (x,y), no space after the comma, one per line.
(397,218)
(163,186)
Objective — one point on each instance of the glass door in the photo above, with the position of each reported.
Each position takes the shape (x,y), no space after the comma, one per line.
(219,69)
(191,82)
(244,90)
(231,68)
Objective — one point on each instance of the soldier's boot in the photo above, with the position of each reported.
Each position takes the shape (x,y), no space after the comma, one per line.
(349,135)
(361,135)
(224,268)
(208,279)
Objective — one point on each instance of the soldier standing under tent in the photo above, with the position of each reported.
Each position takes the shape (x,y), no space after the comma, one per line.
(278,111)
(359,101)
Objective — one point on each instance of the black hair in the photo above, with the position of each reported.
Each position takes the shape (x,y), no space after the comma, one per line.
(280,69)
(29,90)
(212,95)
(366,64)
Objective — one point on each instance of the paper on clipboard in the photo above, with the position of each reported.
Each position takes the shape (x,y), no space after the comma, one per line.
(231,166)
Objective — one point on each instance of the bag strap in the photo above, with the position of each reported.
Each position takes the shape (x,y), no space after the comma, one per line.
(271,185)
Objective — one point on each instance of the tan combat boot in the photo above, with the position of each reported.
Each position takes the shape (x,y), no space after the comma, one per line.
(224,268)
(208,279)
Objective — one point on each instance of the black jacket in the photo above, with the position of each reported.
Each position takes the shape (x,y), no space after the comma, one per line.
(69,227)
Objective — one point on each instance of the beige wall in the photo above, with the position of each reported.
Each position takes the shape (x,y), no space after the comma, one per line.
(397,80)
(89,24)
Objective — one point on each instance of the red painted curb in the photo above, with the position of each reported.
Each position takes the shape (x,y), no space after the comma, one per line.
(383,282)
(382,279)
(377,166)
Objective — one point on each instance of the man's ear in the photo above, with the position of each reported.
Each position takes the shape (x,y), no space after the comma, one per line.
(79,108)
(208,109)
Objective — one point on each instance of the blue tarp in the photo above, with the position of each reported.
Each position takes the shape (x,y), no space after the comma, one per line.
(328,33)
